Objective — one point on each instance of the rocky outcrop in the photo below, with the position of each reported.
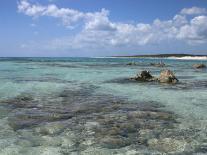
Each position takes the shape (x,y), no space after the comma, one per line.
(199,66)
(167,76)
(144,76)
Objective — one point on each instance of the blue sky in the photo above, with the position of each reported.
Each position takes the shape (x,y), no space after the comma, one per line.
(102,27)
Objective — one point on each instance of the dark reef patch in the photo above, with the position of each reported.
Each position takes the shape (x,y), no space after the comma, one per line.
(120,81)
(39,79)
(183,77)
(101,120)
(182,85)
(197,84)
(61,65)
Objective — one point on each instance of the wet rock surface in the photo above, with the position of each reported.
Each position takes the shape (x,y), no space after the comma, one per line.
(197,84)
(167,76)
(144,76)
(75,121)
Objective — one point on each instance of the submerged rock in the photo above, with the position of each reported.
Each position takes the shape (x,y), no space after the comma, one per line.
(21,101)
(50,128)
(167,145)
(199,66)
(167,76)
(144,135)
(114,142)
(160,64)
(144,76)
(131,63)
(23,98)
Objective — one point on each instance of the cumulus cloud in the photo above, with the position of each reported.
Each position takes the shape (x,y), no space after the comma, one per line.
(195,31)
(193,11)
(68,16)
(99,32)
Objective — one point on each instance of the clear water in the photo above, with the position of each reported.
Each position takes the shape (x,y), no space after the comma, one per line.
(88,106)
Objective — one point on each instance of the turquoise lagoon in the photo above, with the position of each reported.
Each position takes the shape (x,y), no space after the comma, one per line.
(88,106)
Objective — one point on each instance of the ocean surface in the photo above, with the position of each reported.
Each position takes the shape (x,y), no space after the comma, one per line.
(88,106)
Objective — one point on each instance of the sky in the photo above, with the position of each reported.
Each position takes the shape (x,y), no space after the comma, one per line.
(64,28)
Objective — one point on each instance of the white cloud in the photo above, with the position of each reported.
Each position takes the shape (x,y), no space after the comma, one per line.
(195,31)
(30,10)
(99,21)
(193,11)
(99,32)
(68,16)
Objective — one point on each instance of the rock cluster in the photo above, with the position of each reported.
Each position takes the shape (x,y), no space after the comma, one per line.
(166,76)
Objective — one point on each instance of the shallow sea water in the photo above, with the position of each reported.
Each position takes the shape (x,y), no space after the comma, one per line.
(88,106)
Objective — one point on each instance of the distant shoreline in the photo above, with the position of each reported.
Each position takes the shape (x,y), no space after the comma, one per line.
(163,55)
(167,56)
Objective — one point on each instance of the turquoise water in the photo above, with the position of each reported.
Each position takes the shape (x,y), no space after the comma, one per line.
(89,106)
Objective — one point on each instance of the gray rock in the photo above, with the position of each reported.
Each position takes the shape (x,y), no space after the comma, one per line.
(167,76)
